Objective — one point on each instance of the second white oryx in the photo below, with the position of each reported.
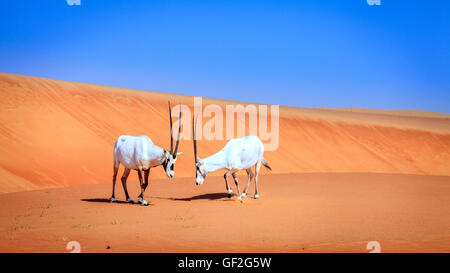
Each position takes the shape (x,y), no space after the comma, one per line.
(238,154)
(140,154)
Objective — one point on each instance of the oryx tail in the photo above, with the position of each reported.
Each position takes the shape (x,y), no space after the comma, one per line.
(264,162)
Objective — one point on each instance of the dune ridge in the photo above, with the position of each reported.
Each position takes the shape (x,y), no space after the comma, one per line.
(57,133)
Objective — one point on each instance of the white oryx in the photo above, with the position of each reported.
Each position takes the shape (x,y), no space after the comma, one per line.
(238,154)
(140,154)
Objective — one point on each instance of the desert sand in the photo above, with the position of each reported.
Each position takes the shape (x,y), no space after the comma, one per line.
(319,212)
(341,178)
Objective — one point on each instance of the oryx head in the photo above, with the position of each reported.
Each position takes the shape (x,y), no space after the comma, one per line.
(199,166)
(171,156)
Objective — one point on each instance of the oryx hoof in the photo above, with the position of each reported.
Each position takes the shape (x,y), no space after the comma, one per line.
(230,193)
(243,195)
(142,202)
(256,196)
(112,200)
(129,200)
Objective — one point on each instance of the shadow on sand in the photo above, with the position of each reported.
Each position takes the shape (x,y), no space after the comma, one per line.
(106,200)
(208,196)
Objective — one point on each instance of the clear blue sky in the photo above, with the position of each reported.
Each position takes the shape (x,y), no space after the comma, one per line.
(308,53)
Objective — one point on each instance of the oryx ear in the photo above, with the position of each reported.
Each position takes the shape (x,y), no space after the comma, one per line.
(199,160)
(179,153)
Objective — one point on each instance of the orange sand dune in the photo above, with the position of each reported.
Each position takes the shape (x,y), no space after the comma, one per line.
(341,178)
(57,133)
(319,212)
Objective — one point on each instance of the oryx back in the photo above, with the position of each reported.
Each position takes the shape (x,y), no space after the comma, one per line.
(243,153)
(136,151)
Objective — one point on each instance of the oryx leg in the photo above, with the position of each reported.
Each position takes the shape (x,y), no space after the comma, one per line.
(258,166)
(250,177)
(146,174)
(124,178)
(142,183)
(116,169)
(229,190)
(237,185)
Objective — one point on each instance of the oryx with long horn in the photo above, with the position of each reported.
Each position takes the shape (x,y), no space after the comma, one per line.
(238,154)
(140,154)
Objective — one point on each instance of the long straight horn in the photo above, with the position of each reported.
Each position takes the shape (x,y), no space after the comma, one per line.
(171,136)
(194,138)
(178,137)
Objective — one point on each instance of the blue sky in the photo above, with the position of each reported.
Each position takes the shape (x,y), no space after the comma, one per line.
(310,53)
